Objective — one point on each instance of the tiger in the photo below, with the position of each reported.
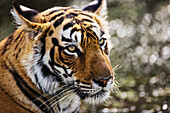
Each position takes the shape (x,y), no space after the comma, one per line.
(56,59)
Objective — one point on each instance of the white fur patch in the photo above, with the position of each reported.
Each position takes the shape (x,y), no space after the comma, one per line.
(100,98)
(46,83)
(23,8)
(71,101)
(17,19)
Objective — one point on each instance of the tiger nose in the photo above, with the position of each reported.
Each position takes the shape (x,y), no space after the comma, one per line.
(103,81)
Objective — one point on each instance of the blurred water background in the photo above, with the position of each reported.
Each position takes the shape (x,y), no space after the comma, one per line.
(140,54)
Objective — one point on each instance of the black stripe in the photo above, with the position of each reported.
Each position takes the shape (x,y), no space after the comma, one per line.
(91,33)
(37,81)
(72,31)
(66,39)
(52,54)
(74,14)
(8,42)
(71,64)
(68,25)
(71,15)
(78,81)
(86,15)
(44,21)
(57,11)
(76,10)
(43,47)
(76,38)
(52,63)
(102,32)
(51,32)
(58,21)
(85,83)
(56,16)
(55,42)
(43,44)
(18,53)
(91,26)
(82,35)
(57,71)
(87,20)
(18,36)
(27,90)
(54,11)
(59,109)
(19,42)
(65,75)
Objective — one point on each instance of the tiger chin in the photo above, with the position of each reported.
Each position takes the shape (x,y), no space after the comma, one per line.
(55,59)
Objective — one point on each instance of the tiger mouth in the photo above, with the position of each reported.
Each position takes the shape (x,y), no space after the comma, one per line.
(90,93)
(85,93)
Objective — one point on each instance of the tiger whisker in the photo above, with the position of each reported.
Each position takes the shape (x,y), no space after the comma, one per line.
(53,97)
(116,86)
(61,99)
(46,94)
(53,100)
(40,97)
(88,89)
(64,97)
(50,102)
(117,67)
(58,95)
(65,94)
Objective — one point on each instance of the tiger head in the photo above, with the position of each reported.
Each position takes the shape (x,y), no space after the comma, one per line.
(67,50)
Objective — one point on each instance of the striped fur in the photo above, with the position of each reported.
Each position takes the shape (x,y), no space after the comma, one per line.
(54,59)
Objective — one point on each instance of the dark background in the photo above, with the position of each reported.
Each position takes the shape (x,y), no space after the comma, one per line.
(140,54)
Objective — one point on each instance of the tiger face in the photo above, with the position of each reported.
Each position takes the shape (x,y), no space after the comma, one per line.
(67,51)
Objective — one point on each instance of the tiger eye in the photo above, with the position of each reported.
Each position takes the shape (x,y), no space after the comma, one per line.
(101,41)
(72,48)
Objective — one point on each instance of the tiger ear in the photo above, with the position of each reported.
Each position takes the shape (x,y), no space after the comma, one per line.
(24,15)
(98,6)
(21,13)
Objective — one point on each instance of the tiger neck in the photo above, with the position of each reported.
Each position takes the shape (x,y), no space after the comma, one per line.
(14,79)
(14,45)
